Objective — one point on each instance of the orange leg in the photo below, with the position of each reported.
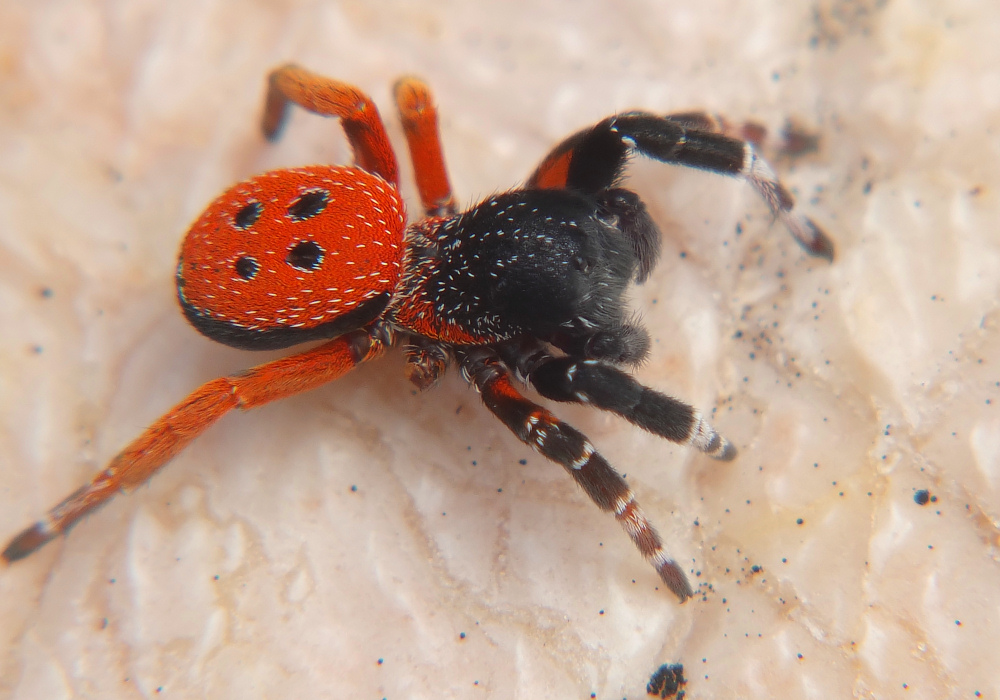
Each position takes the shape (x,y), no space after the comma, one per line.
(332,98)
(553,172)
(419,117)
(163,440)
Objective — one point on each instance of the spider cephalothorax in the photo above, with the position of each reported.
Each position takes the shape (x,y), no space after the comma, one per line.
(542,263)
(527,284)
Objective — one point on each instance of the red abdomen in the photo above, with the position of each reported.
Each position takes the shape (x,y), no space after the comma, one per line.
(292,255)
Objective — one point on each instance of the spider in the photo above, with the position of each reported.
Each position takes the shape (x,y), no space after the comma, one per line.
(525,287)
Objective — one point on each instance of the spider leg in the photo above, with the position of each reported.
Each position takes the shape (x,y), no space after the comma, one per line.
(699,120)
(793,140)
(332,98)
(426,361)
(589,381)
(567,446)
(419,117)
(187,420)
(594,160)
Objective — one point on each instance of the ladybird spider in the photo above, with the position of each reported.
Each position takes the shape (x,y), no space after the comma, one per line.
(527,284)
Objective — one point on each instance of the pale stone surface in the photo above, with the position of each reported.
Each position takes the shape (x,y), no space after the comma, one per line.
(249,568)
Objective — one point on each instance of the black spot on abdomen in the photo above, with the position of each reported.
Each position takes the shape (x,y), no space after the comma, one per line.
(308,204)
(247,267)
(306,256)
(248,215)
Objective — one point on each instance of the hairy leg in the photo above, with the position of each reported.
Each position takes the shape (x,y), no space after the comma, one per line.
(571,449)
(163,440)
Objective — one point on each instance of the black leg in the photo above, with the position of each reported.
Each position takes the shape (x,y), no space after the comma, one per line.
(594,160)
(598,384)
(568,447)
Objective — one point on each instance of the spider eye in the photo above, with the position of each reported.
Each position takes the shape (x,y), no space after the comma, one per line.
(308,205)
(248,215)
(582,264)
(608,219)
(306,256)
(247,267)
